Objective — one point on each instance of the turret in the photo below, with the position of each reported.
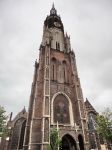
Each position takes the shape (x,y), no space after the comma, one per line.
(53,20)
(53,33)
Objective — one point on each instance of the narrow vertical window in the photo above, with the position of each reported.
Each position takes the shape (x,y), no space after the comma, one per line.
(53,69)
(47,60)
(47,72)
(53,72)
(64,75)
(65,72)
(21,140)
(56,45)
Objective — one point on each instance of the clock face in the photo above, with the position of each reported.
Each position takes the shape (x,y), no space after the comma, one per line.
(57,24)
(53,11)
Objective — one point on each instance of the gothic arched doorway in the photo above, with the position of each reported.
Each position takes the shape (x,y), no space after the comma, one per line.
(81,143)
(68,143)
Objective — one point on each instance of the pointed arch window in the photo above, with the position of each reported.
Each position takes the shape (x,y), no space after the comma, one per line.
(57,45)
(53,69)
(61,109)
(65,77)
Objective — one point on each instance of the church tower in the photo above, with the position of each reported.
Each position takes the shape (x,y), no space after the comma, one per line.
(56,95)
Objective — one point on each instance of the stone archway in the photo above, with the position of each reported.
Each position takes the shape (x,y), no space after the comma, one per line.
(68,143)
(81,142)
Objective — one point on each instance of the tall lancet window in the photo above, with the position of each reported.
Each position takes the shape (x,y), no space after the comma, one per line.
(53,69)
(21,140)
(65,72)
(18,134)
(61,109)
(57,46)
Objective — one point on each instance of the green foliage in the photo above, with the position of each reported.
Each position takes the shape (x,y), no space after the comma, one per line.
(104,124)
(55,142)
(3,126)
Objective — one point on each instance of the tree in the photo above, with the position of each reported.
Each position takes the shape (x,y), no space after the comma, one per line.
(104,125)
(3,122)
(55,142)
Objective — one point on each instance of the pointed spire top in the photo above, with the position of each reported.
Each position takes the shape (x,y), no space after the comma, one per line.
(53,11)
(24,110)
(53,6)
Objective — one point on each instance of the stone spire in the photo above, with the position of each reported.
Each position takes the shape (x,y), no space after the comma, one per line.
(53,11)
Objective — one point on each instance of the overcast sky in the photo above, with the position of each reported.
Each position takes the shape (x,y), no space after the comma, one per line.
(88,22)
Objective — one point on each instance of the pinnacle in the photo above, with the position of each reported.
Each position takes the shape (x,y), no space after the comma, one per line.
(53,6)
(24,110)
(53,11)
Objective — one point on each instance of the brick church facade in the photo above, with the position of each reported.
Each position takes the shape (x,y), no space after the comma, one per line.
(56,98)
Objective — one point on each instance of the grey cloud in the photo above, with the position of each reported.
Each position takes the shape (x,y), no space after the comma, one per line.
(105,74)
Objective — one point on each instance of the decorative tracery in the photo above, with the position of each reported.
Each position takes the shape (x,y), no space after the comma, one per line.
(61,109)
